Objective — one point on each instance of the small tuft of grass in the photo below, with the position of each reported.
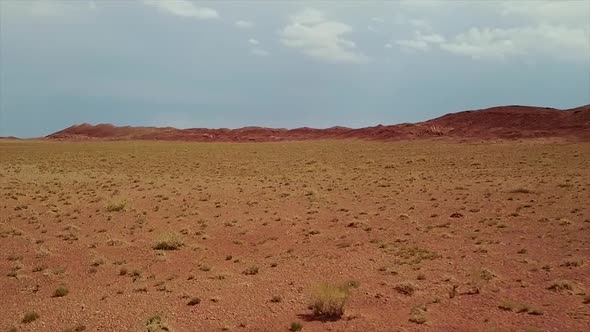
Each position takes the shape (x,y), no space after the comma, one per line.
(30,316)
(194,301)
(406,288)
(60,292)
(252,270)
(418,315)
(506,305)
(77,328)
(295,327)
(561,285)
(572,262)
(116,206)
(156,324)
(168,241)
(521,190)
(486,274)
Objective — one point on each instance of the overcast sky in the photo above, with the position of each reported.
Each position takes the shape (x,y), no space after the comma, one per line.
(283,64)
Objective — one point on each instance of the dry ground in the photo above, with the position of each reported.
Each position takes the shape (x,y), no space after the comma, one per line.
(433,236)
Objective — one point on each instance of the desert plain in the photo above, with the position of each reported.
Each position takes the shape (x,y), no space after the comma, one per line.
(407,236)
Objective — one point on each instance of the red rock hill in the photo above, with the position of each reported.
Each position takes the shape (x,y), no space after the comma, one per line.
(505,122)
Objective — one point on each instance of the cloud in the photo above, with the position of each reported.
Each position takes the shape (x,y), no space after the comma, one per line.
(183,8)
(558,30)
(253,41)
(564,11)
(243,24)
(48,8)
(421,41)
(259,52)
(388,45)
(413,44)
(556,41)
(420,23)
(310,32)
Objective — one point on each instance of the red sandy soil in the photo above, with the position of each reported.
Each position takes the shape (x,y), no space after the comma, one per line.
(504,122)
(435,236)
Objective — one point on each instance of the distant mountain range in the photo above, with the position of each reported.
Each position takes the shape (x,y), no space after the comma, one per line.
(504,122)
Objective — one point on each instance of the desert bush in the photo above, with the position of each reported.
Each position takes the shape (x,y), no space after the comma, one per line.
(60,292)
(168,241)
(30,317)
(521,190)
(252,270)
(328,300)
(406,288)
(296,327)
(116,206)
(561,285)
(194,301)
(156,324)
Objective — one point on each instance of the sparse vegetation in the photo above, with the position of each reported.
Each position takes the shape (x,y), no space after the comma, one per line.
(295,327)
(156,324)
(60,292)
(406,288)
(561,285)
(418,315)
(116,206)
(30,316)
(169,241)
(194,301)
(252,270)
(521,190)
(328,301)
(264,221)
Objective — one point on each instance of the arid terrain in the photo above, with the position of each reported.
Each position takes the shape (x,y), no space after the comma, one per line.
(183,236)
(502,122)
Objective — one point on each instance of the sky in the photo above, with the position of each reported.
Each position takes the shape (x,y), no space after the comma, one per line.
(224,64)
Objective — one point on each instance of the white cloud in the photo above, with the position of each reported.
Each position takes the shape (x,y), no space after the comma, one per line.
(259,52)
(183,8)
(423,4)
(420,23)
(564,11)
(48,8)
(315,36)
(253,41)
(243,24)
(388,45)
(413,44)
(555,41)
(421,42)
(550,29)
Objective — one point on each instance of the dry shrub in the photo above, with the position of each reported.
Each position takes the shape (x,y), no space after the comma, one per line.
(169,241)
(328,300)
